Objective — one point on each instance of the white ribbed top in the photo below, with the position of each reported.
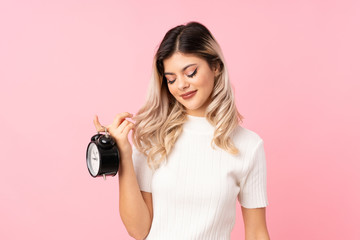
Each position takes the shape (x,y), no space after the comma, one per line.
(194,192)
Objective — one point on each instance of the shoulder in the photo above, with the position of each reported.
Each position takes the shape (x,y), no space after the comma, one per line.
(246,139)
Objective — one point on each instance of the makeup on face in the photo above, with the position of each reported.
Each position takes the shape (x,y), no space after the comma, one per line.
(169,81)
(189,95)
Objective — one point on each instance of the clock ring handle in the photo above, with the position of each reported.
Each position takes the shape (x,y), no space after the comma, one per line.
(100,128)
(107,134)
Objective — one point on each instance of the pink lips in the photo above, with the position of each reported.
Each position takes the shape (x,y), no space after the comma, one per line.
(189,95)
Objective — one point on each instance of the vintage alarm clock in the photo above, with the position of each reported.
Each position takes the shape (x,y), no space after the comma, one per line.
(102,155)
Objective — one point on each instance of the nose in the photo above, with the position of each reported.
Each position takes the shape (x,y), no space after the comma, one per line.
(182,83)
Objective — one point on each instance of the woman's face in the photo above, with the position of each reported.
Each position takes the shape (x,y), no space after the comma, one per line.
(186,73)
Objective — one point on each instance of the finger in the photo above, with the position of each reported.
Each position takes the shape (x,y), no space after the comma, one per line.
(128,128)
(122,126)
(120,118)
(98,126)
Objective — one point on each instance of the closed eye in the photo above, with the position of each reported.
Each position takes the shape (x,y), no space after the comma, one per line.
(190,76)
(193,74)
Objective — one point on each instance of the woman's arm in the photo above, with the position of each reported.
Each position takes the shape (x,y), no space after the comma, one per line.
(255,223)
(135,207)
(134,211)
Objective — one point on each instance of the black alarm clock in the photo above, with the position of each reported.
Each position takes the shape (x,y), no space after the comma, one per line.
(102,155)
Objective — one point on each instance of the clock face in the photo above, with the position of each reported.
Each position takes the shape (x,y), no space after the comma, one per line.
(93,159)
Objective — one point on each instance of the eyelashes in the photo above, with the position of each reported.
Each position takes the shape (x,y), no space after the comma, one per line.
(190,76)
(193,74)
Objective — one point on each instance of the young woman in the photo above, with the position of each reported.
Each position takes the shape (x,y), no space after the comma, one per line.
(190,160)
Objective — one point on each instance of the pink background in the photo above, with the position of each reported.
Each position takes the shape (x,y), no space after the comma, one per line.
(294,67)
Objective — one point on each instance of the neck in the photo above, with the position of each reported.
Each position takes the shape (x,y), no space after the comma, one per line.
(198,124)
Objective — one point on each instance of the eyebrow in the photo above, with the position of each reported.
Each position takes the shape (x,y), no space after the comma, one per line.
(168,73)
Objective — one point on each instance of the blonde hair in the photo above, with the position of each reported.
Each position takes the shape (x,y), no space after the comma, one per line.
(158,123)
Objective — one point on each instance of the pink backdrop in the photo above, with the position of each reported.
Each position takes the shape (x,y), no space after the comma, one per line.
(294,67)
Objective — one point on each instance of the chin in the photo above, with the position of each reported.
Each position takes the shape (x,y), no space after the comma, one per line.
(191,107)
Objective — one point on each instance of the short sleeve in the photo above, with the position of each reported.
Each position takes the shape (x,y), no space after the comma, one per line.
(142,170)
(253,193)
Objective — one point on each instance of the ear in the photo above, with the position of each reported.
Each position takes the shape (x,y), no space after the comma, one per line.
(216,70)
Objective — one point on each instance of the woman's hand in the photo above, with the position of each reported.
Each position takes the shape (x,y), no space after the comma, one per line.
(119,130)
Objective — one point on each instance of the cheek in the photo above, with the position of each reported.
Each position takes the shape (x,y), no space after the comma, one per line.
(172,91)
(205,83)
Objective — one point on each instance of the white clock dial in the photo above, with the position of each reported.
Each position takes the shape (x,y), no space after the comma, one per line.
(93,160)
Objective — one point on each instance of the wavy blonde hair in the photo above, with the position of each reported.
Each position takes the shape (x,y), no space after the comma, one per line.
(158,123)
